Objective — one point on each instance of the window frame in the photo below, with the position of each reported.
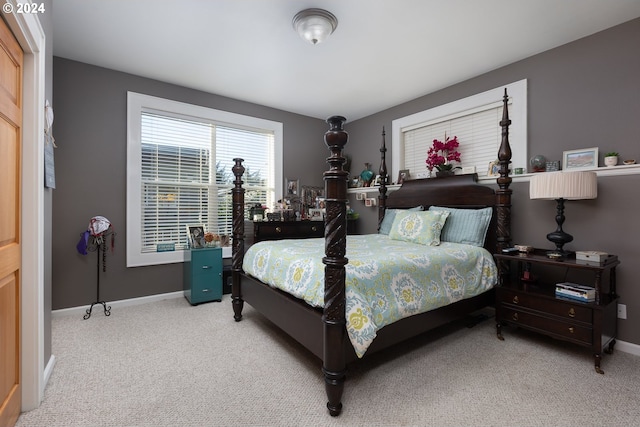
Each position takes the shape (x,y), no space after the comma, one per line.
(136,104)
(517,92)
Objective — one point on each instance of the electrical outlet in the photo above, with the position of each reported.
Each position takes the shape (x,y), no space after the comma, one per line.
(622,311)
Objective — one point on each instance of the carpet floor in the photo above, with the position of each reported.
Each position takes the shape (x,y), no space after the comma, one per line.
(171,364)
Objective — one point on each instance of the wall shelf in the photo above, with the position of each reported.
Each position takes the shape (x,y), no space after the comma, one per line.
(367,190)
(600,171)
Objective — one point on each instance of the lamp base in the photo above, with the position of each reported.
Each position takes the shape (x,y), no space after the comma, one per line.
(559,238)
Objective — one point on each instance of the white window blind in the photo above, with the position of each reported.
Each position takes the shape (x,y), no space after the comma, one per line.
(179,172)
(181,185)
(475,120)
(478,132)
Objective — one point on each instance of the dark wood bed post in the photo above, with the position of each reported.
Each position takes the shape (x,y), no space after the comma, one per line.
(238,239)
(503,194)
(335,235)
(382,197)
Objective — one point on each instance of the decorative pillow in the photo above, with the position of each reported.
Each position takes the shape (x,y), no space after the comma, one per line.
(422,227)
(468,226)
(390,214)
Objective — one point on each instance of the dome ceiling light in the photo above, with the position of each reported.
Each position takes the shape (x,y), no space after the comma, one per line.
(314,25)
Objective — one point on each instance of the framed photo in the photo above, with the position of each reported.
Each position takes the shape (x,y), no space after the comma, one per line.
(585,158)
(291,187)
(316,214)
(195,234)
(377,181)
(494,168)
(403,176)
(320,204)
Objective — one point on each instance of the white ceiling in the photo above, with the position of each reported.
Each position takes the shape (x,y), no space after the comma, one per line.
(383,53)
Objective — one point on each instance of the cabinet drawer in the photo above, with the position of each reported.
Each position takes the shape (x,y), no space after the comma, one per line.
(562,309)
(570,331)
(207,289)
(288,231)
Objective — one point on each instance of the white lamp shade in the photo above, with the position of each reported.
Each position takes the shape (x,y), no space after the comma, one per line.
(314,25)
(564,185)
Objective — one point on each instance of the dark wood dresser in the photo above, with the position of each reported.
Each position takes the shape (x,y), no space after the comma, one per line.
(256,231)
(524,301)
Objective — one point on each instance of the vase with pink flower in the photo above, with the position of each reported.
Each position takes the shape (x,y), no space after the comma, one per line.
(441,155)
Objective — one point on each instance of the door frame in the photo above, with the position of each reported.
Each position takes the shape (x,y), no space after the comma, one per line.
(30,35)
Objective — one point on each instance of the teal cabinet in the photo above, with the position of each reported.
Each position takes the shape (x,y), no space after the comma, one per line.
(203,276)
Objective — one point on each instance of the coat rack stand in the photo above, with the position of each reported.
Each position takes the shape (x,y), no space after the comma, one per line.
(100,247)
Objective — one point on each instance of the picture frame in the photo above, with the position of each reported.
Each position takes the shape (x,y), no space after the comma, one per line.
(581,159)
(316,214)
(376,181)
(403,176)
(494,168)
(320,203)
(291,187)
(195,235)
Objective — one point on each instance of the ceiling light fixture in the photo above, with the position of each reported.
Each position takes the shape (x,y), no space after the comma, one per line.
(315,25)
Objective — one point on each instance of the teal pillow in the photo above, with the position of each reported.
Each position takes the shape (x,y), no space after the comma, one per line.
(389,215)
(423,227)
(468,226)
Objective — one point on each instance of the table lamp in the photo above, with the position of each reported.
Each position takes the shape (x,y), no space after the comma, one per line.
(561,186)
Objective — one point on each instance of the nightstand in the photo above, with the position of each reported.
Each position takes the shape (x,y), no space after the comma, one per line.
(202,281)
(523,301)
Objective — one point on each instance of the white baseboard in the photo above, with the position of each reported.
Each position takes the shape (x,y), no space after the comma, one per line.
(120,303)
(48,370)
(628,347)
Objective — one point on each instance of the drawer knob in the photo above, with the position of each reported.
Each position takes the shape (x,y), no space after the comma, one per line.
(314,228)
(516,300)
(515,316)
(205,290)
(206,267)
(571,330)
(572,312)
(278,230)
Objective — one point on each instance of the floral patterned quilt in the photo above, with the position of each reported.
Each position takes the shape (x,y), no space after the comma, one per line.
(386,279)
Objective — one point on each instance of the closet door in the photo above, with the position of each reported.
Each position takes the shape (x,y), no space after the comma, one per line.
(10,214)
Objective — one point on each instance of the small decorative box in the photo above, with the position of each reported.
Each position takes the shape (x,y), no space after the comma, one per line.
(594,256)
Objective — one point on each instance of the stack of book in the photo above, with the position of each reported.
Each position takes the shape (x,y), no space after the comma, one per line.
(575,292)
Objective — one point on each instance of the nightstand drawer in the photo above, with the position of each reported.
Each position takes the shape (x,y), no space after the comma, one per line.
(570,331)
(564,309)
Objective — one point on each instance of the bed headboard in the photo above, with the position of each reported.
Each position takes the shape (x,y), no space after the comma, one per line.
(458,191)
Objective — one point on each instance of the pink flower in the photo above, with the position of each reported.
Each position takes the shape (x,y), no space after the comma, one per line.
(441,154)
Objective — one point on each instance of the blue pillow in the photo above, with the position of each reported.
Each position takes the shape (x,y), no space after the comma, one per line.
(468,226)
(390,215)
(422,227)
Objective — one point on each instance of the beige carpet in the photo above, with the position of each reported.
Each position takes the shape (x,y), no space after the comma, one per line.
(170,364)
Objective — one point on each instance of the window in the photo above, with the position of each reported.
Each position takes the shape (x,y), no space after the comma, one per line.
(474,120)
(179,172)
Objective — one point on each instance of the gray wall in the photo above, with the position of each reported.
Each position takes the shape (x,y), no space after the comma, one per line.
(583,94)
(91,133)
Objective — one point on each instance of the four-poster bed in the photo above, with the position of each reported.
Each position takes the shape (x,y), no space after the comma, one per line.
(323,330)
